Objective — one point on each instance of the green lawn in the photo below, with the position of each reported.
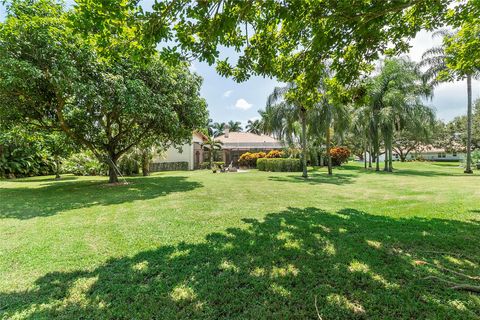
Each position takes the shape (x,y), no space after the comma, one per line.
(256,245)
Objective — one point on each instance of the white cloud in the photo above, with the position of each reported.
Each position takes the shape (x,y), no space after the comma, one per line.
(243,104)
(227,93)
(192,67)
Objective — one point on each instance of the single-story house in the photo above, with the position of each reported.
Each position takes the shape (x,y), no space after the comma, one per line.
(429,153)
(192,155)
(234,144)
(189,157)
(432,153)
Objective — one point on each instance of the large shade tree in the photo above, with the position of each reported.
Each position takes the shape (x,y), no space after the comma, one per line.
(290,39)
(56,79)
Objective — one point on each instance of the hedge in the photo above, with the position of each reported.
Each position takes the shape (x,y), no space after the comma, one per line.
(168,166)
(279,164)
(206,165)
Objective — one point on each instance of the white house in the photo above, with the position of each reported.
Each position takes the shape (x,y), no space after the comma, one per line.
(190,157)
(429,153)
(437,154)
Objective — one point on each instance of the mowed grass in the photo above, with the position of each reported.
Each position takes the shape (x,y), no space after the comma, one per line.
(255,245)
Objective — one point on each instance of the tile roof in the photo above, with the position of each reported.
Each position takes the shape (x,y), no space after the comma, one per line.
(247,140)
(245,137)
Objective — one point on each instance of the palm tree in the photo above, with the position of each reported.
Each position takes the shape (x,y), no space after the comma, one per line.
(212,146)
(327,118)
(284,119)
(435,59)
(235,126)
(360,126)
(218,129)
(254,126)
(395,97)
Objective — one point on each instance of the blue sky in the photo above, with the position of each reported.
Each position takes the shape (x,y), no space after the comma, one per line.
(228,100)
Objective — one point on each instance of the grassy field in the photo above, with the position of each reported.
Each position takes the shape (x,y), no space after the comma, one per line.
(255,245)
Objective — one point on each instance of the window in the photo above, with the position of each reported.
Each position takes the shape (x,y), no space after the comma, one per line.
(454,153)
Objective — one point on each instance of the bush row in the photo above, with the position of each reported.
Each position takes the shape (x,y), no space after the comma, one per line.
(206,165)
(279,164)
(249,159)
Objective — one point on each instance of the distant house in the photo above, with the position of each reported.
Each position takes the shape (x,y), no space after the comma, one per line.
(237,143)
(432,153)
(190,157)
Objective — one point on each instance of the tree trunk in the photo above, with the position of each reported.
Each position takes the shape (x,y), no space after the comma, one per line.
(329,156)
(390,155)
(365,157)
(468,168)
(304,143)
(57,168)
(369,156)
(385,166)
(145,163)
(112,170)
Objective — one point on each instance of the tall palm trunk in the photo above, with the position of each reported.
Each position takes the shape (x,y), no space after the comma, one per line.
(365,155)
(385,167)
(370,155)
(304,142)
(468,168)
(376,150)
(328,147)
(390,155)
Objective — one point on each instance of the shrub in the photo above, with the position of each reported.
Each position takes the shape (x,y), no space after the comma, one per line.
(85,164)
(206,165)
(168,166)
(23,154)
(279,164)
(339,155)
(275,154)
(250,159)
(129,164)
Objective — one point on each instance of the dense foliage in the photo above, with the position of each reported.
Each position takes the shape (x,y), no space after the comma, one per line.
(24,153)
(85,164)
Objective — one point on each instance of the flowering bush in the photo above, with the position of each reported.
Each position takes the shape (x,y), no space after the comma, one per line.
(339,155)
(275,154)
(249,159)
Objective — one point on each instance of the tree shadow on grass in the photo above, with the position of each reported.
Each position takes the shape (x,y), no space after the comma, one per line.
(412,172)
(49,198)
(353,264)
(316,178)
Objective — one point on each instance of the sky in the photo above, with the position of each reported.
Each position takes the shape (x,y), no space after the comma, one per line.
(228,100)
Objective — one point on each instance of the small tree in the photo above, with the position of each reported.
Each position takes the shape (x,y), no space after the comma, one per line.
(211,145)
